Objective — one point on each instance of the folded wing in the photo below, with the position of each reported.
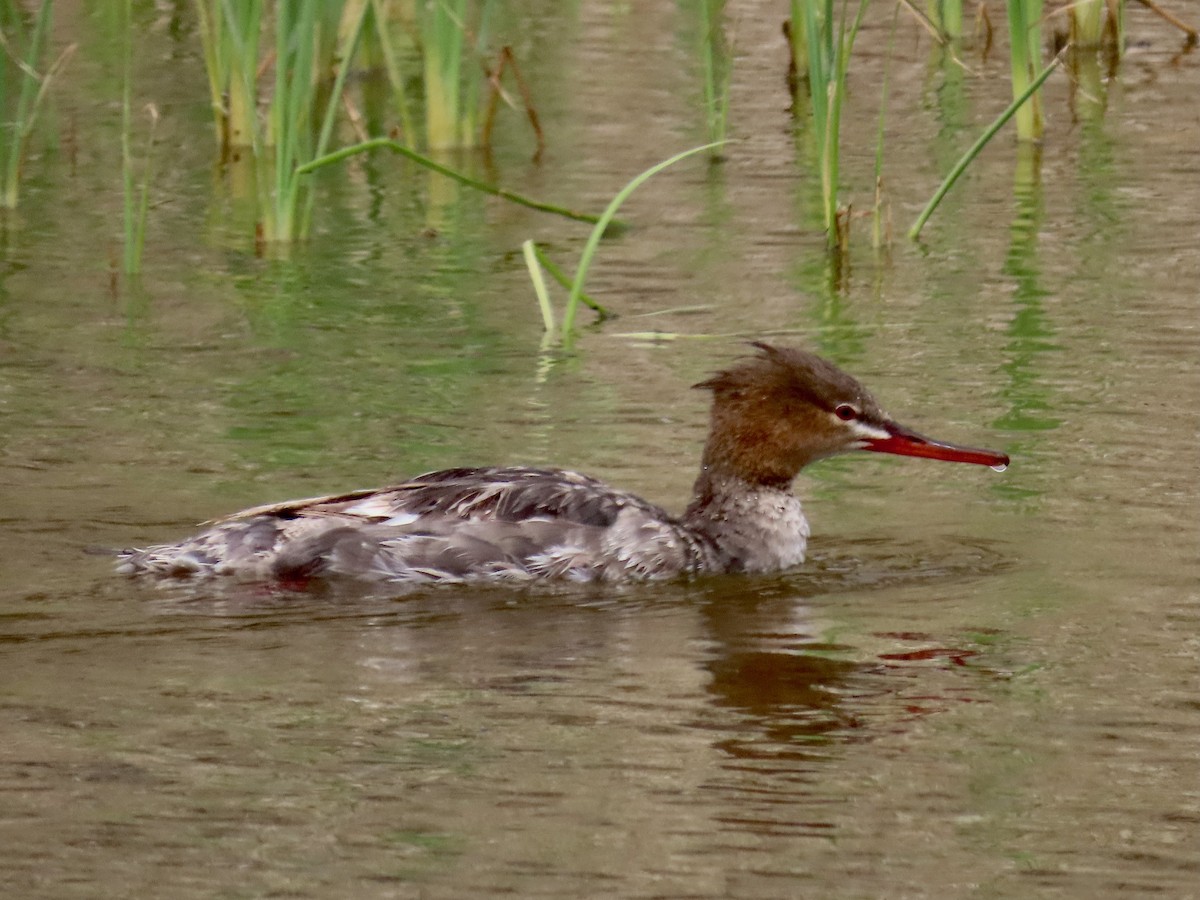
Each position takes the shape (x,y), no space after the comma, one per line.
(452,525)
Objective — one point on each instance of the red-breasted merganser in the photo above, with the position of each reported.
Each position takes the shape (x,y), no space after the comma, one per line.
(772,414)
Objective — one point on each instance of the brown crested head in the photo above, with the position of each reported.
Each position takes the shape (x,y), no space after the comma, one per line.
(776,412)
(784,408)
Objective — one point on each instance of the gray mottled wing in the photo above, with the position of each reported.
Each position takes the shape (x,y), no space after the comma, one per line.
(510,494)
(498,523)
(451,525)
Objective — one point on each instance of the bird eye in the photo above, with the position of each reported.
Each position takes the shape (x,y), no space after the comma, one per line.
(846,412)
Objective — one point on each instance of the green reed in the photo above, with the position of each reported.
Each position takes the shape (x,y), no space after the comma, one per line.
(534,258)
(967,158)
(1087,22)
(310,38)
(1100,25)
(305,40)
(229,37)
(718,69)
(395,75)
(398,148)
(299,100)
(947,16)
(136,197)
(881,225)
(290,121)
(1025,53)
(1097,35)
(797,38)
(451,94)
(828,42)
(29,88)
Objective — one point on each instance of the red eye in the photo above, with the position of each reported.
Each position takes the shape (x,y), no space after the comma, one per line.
(846,412)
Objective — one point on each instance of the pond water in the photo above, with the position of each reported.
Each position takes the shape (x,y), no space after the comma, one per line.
(982,684)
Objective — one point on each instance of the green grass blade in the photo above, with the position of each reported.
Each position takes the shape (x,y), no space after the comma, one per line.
(238,24)
(136,233)
(26,100)
(213,64)
(593,241)
(718,68)
(877,229)
(529,251)
(798,38)
(1024,17)
(345,54)
(346,51)
(130,257)
(396,147)
(915,231)
(561,277)
(442,32)
(395,76)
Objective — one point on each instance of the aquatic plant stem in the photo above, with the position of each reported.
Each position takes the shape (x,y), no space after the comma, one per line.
(229,33)
(837,235)
(959,167)
(877,218)
(593,241)
(441,40)
(1087,22)
(136,201)
(32,88)
(451,102)
(529,252)
(797,38)
(717,68)
(286,204)
(396,147)
(828,63)
(947,15)
(1024,17)
(347,48)
(290,115)
(547,265)
(395,76)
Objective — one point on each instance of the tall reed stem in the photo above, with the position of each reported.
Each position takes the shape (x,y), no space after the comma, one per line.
(32,88)
(946,16)
(535,259)
(451,97)
(294,106)
(829,47)
(1025,35)
(988,133)
(1087,22)
(797,37)
(717,69)
(136,196)
(229,31)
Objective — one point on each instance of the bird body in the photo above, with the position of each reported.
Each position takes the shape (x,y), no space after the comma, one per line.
(772,415)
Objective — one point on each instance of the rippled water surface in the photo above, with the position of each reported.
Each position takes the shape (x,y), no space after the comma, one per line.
(981,684)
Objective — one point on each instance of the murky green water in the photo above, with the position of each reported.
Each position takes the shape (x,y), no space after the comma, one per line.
(981,685)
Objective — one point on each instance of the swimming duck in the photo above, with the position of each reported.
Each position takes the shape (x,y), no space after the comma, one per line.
(772,414)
